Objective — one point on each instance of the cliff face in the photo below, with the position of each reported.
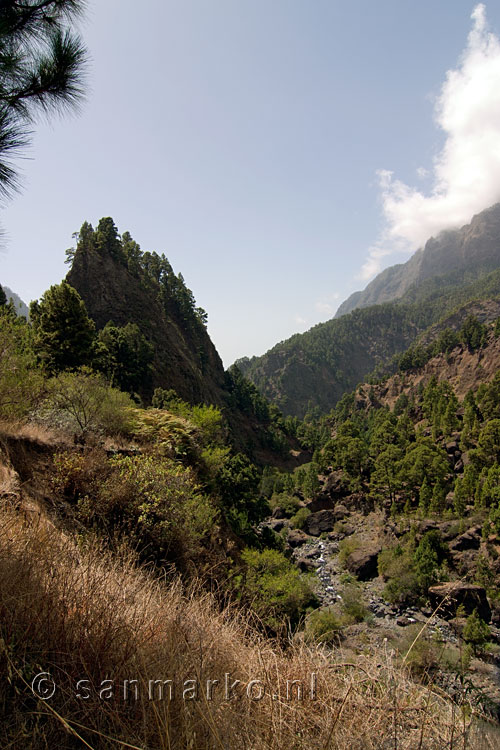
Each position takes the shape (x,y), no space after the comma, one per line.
(456,256)
(184,357)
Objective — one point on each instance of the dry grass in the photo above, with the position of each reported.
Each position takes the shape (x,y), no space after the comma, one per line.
(33,431)
(78,613)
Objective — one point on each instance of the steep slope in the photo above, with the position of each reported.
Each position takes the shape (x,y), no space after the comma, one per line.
(184,357)
(314,369)
(470,252)
(462,368)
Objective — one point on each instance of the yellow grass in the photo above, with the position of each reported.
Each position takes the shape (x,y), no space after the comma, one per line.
(79,613)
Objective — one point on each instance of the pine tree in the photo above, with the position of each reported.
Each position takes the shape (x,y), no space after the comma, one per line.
(438,498)
(107,240)
(425,496)
(41,70)
(64,334)
(450,420)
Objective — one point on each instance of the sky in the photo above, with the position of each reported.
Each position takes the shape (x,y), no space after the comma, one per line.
(279,152)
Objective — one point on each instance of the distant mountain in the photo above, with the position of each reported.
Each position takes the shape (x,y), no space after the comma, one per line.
(457,255)
(21,307)
(314,369)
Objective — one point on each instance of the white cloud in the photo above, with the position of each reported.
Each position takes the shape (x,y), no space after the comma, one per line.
(300,321)
(466,173)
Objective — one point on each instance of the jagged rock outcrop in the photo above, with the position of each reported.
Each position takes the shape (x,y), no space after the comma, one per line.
(184,360)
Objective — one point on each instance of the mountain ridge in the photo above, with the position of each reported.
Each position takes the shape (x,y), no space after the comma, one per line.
(452,246)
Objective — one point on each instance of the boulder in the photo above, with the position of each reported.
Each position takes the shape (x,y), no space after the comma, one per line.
(296,538)
(320,522)
(363,563)
(321,502)
(404,621)
(341,511)
(305,564)
(470,539)
(452,594)
(278,513)
(336,485)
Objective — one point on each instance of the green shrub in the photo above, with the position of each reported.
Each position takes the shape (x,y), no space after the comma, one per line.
(353,605)
(422,656)
(323,626)
(397,568)
(476,632)
(299,519)
(88,405)
(171,435)
(428,556)
(288,503)
(347,547)
(153,501)
(274,588)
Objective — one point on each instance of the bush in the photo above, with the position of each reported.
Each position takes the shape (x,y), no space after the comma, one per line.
(153,501)
(88,405)
(353,605)
(476,632)
(323,626)
(421,655)
(274,588)
(171,435)
(396,567)
(428,556)
(288,503)
(298,520)
(347,547)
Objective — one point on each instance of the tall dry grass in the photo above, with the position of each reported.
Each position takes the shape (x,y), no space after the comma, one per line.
(79,613)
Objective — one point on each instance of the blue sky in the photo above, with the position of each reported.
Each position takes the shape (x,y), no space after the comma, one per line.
(279,152)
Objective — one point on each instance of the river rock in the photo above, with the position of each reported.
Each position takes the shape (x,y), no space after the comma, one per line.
(296,538)
(363,562)
(320,522)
